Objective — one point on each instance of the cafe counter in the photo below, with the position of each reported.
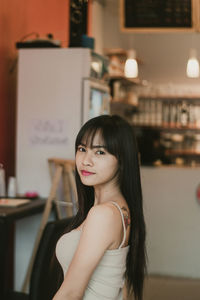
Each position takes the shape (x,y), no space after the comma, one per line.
(172,214)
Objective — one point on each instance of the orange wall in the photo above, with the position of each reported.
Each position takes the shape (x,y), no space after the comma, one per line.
(17,19)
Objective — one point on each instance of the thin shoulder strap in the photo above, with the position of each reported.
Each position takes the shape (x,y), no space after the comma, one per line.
(124,227)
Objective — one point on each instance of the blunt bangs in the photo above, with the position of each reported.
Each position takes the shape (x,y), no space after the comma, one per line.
(86,136)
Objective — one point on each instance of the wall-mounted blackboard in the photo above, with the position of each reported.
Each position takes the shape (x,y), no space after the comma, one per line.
(159,15)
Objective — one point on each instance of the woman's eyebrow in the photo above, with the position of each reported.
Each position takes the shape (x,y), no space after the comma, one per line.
(93,146)
(98,146)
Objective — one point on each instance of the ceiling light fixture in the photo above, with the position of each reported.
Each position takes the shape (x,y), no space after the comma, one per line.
(193,65)
(131,65)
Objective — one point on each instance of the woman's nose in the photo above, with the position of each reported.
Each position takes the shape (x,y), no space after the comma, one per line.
(87,159)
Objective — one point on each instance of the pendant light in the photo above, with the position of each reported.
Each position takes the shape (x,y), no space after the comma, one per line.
(193,65)
(131,65)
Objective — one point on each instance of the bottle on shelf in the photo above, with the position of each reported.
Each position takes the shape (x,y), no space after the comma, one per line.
(12,187)
(197,116)
(141,115)
(173,115)
(159,113)
(178,112)
(165,114)
(146,112)
(191,115)
(152,112)
(184,114)
(2,182)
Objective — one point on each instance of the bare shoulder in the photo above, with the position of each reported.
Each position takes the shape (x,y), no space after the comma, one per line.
(99,227)
(103,214)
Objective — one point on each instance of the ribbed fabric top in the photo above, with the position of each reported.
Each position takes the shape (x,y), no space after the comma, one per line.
(107,280)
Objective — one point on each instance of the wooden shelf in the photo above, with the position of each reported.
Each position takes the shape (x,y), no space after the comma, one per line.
(170,97)
(122,102)
(183,152)
(123,79)
(168,128)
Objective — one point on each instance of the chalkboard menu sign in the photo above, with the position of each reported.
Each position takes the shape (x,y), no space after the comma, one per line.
(140,15)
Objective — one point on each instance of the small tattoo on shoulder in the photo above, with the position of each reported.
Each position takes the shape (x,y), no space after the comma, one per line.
(124,208)
(126,217)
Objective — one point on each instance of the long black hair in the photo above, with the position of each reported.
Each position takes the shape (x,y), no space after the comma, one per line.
(120,141)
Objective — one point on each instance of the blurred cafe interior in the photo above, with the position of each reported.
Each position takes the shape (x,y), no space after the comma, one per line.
(68,61)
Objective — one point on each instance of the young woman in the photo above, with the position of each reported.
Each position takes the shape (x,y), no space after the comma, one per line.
(106,243)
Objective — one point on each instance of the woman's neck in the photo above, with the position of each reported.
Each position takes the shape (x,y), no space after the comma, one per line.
(103,195)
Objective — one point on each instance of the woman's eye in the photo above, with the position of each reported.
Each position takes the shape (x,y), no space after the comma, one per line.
(100,152)
(81,149)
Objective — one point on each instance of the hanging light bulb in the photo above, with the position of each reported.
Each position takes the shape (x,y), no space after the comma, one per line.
(193,65)
(131,65)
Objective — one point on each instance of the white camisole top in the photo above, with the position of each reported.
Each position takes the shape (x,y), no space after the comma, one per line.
(107,280)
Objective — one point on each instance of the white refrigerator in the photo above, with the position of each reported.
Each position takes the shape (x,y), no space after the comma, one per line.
(55,96)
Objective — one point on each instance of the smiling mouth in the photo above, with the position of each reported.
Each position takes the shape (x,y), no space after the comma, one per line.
(86,173)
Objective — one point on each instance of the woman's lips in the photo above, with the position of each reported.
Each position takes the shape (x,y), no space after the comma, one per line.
(86,173)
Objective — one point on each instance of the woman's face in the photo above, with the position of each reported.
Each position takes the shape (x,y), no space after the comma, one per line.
(95,165)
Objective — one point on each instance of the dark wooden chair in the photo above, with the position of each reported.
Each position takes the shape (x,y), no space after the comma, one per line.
(46,276)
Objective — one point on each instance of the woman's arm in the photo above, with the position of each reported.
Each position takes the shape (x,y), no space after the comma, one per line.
(99,232)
